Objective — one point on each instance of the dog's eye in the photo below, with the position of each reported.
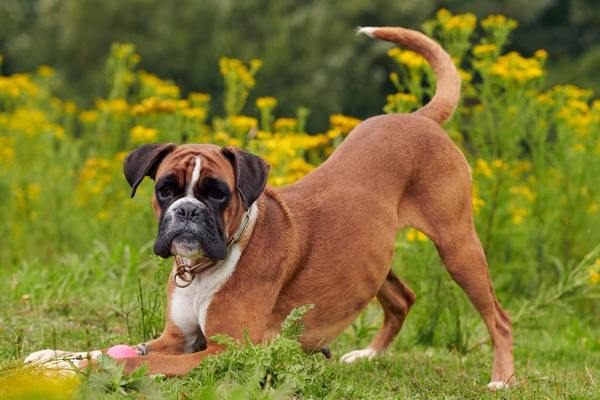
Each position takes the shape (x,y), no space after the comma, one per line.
(216,194)
(164,193)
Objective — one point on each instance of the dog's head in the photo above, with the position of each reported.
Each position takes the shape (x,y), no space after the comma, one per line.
(200,196)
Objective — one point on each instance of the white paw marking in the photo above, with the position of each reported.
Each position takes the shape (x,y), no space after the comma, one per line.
(64,361)
(497,385)
(357,355)
(42,355)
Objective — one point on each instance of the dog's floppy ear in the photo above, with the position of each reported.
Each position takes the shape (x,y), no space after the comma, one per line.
(144,161)
(251,173)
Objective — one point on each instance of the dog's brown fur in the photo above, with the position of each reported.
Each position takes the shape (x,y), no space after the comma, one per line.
(328,239)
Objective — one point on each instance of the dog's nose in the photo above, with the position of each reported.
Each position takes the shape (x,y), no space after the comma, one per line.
(187,211)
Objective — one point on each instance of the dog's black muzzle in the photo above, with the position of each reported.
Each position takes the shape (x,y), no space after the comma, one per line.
(193,229)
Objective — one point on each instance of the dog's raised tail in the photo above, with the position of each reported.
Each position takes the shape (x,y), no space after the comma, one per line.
(447,92)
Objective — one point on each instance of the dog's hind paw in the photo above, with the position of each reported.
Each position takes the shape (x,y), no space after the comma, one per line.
(497,385)
(357,355)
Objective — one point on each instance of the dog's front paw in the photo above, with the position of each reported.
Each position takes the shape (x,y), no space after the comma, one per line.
(64,362)
(357,355)
(44,355)
(55,361)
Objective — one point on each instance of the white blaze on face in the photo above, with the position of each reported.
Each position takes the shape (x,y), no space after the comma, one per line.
(189,191)
(195,176)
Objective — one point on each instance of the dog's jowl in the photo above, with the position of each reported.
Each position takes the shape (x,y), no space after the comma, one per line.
(246,254)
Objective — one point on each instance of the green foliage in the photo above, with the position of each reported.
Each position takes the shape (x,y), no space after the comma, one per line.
(109,378)
(280,364)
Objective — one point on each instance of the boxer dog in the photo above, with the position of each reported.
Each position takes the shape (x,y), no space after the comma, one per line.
(246,254)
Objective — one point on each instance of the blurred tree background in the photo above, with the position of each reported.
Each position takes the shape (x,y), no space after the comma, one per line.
(311,57)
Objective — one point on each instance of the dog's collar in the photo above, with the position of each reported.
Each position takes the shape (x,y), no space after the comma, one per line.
(185,274)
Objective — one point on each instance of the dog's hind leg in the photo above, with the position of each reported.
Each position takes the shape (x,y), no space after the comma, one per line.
(465,260)
(445,214)
(396,299)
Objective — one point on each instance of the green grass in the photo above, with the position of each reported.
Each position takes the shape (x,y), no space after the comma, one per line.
(116,296)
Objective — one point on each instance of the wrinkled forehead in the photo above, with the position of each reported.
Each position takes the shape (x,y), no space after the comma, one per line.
(207,159)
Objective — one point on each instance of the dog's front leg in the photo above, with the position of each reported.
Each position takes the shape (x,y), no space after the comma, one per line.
(232,312)
(166,364)
(174,340)
(181,333)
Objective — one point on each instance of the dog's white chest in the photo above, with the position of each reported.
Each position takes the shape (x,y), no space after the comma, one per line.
(189,305)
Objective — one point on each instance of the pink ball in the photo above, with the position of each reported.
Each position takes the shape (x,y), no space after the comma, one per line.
(121,351)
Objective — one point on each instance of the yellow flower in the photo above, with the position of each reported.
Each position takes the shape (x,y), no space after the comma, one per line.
(7,151)
(237,71)
(123,50)
(277,180)
(153,105)
(195,113)
(18,85)
(572,92)
(285,124)
(263,135)
(400,102)
(464,22)
(171,91)
(266,102)
(200,98)
(465,76)
(88,116)
(45,71)
(333,133)
(514,67)
(116,106)
(498,22)
(140,134)
(523,191)
(221,136)
(70,107)
(414,234)
(541,54)
(478,204)
(443,14)
(234,142)
(594,272)
(33,191)
(483,168)
(546,98)
(402,97)
(499,164)
(485,49)
(182,104)
(120,156)
(342,122)
(408,58)
(518,215)
(243,123)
